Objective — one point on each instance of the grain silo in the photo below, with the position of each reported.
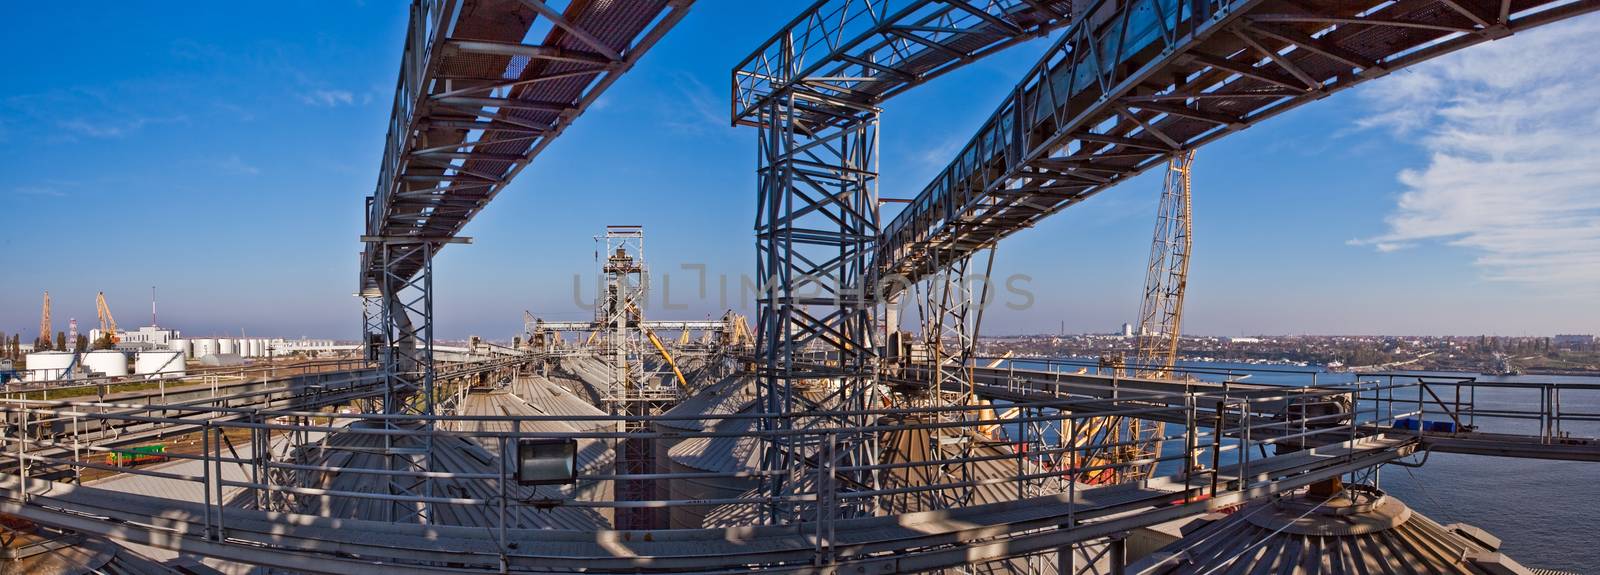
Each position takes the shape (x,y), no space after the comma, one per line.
(725,454)
(730,395)
(595,456)
(469,460)
(547,398)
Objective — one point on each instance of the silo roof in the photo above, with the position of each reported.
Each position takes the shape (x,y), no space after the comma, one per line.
(730,395)
(551,399)
(721,453)
(452,454)
(1362,530)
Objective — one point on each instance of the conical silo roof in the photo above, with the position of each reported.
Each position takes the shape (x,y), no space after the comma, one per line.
(1359,530)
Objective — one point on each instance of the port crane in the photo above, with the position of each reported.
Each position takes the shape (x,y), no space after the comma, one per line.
(1160,314)
(108,324)
(1167,276)
(44,326)
(1166,280)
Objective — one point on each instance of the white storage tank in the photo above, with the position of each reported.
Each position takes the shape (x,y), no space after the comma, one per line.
(159,363)
(182,346)
(204,347)
(48,365)
(258,348)
(227,346)
(107,362)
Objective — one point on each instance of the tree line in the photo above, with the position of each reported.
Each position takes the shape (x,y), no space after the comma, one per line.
(11,346)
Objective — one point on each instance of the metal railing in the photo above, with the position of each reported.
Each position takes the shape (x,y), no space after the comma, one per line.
(1220,374)
(1549,412)
(1543,412)
(249,461)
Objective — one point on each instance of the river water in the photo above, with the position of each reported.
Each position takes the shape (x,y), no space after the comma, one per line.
(1547,513)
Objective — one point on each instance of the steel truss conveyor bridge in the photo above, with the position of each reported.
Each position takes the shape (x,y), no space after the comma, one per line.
(476,102)
(1132,82)
(484,87)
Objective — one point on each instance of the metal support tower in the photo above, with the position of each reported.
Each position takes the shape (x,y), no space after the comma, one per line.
(636,387)
(405,324)
(816,224)
(375,340)
(813,91)
(953,302)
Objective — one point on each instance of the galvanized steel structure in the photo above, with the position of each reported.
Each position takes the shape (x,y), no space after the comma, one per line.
(813,91)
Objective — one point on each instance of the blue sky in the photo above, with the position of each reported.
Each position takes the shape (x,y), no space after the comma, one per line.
(221,152)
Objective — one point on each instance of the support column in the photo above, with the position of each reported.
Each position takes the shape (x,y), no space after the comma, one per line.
(955,300)
(816,227)
(406,304)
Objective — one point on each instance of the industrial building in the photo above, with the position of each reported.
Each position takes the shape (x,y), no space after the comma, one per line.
(817,436)
(146,337)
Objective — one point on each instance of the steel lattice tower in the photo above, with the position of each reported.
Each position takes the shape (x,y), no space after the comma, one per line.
(816,225)
(1166,279)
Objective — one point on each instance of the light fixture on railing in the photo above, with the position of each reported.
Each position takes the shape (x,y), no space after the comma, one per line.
(547,461)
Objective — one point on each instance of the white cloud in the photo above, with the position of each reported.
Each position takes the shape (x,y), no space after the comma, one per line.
(939,156)
(704,112)
(39,191)
(234,164)
(1514,167)
(114,128)
(328,98)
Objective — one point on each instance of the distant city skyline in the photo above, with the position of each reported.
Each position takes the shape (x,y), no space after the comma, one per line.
(227,165)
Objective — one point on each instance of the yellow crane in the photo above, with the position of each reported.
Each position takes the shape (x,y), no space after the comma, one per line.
(108,324)
(1166,278)
(1161,313)
(1160,323)
(44,325)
